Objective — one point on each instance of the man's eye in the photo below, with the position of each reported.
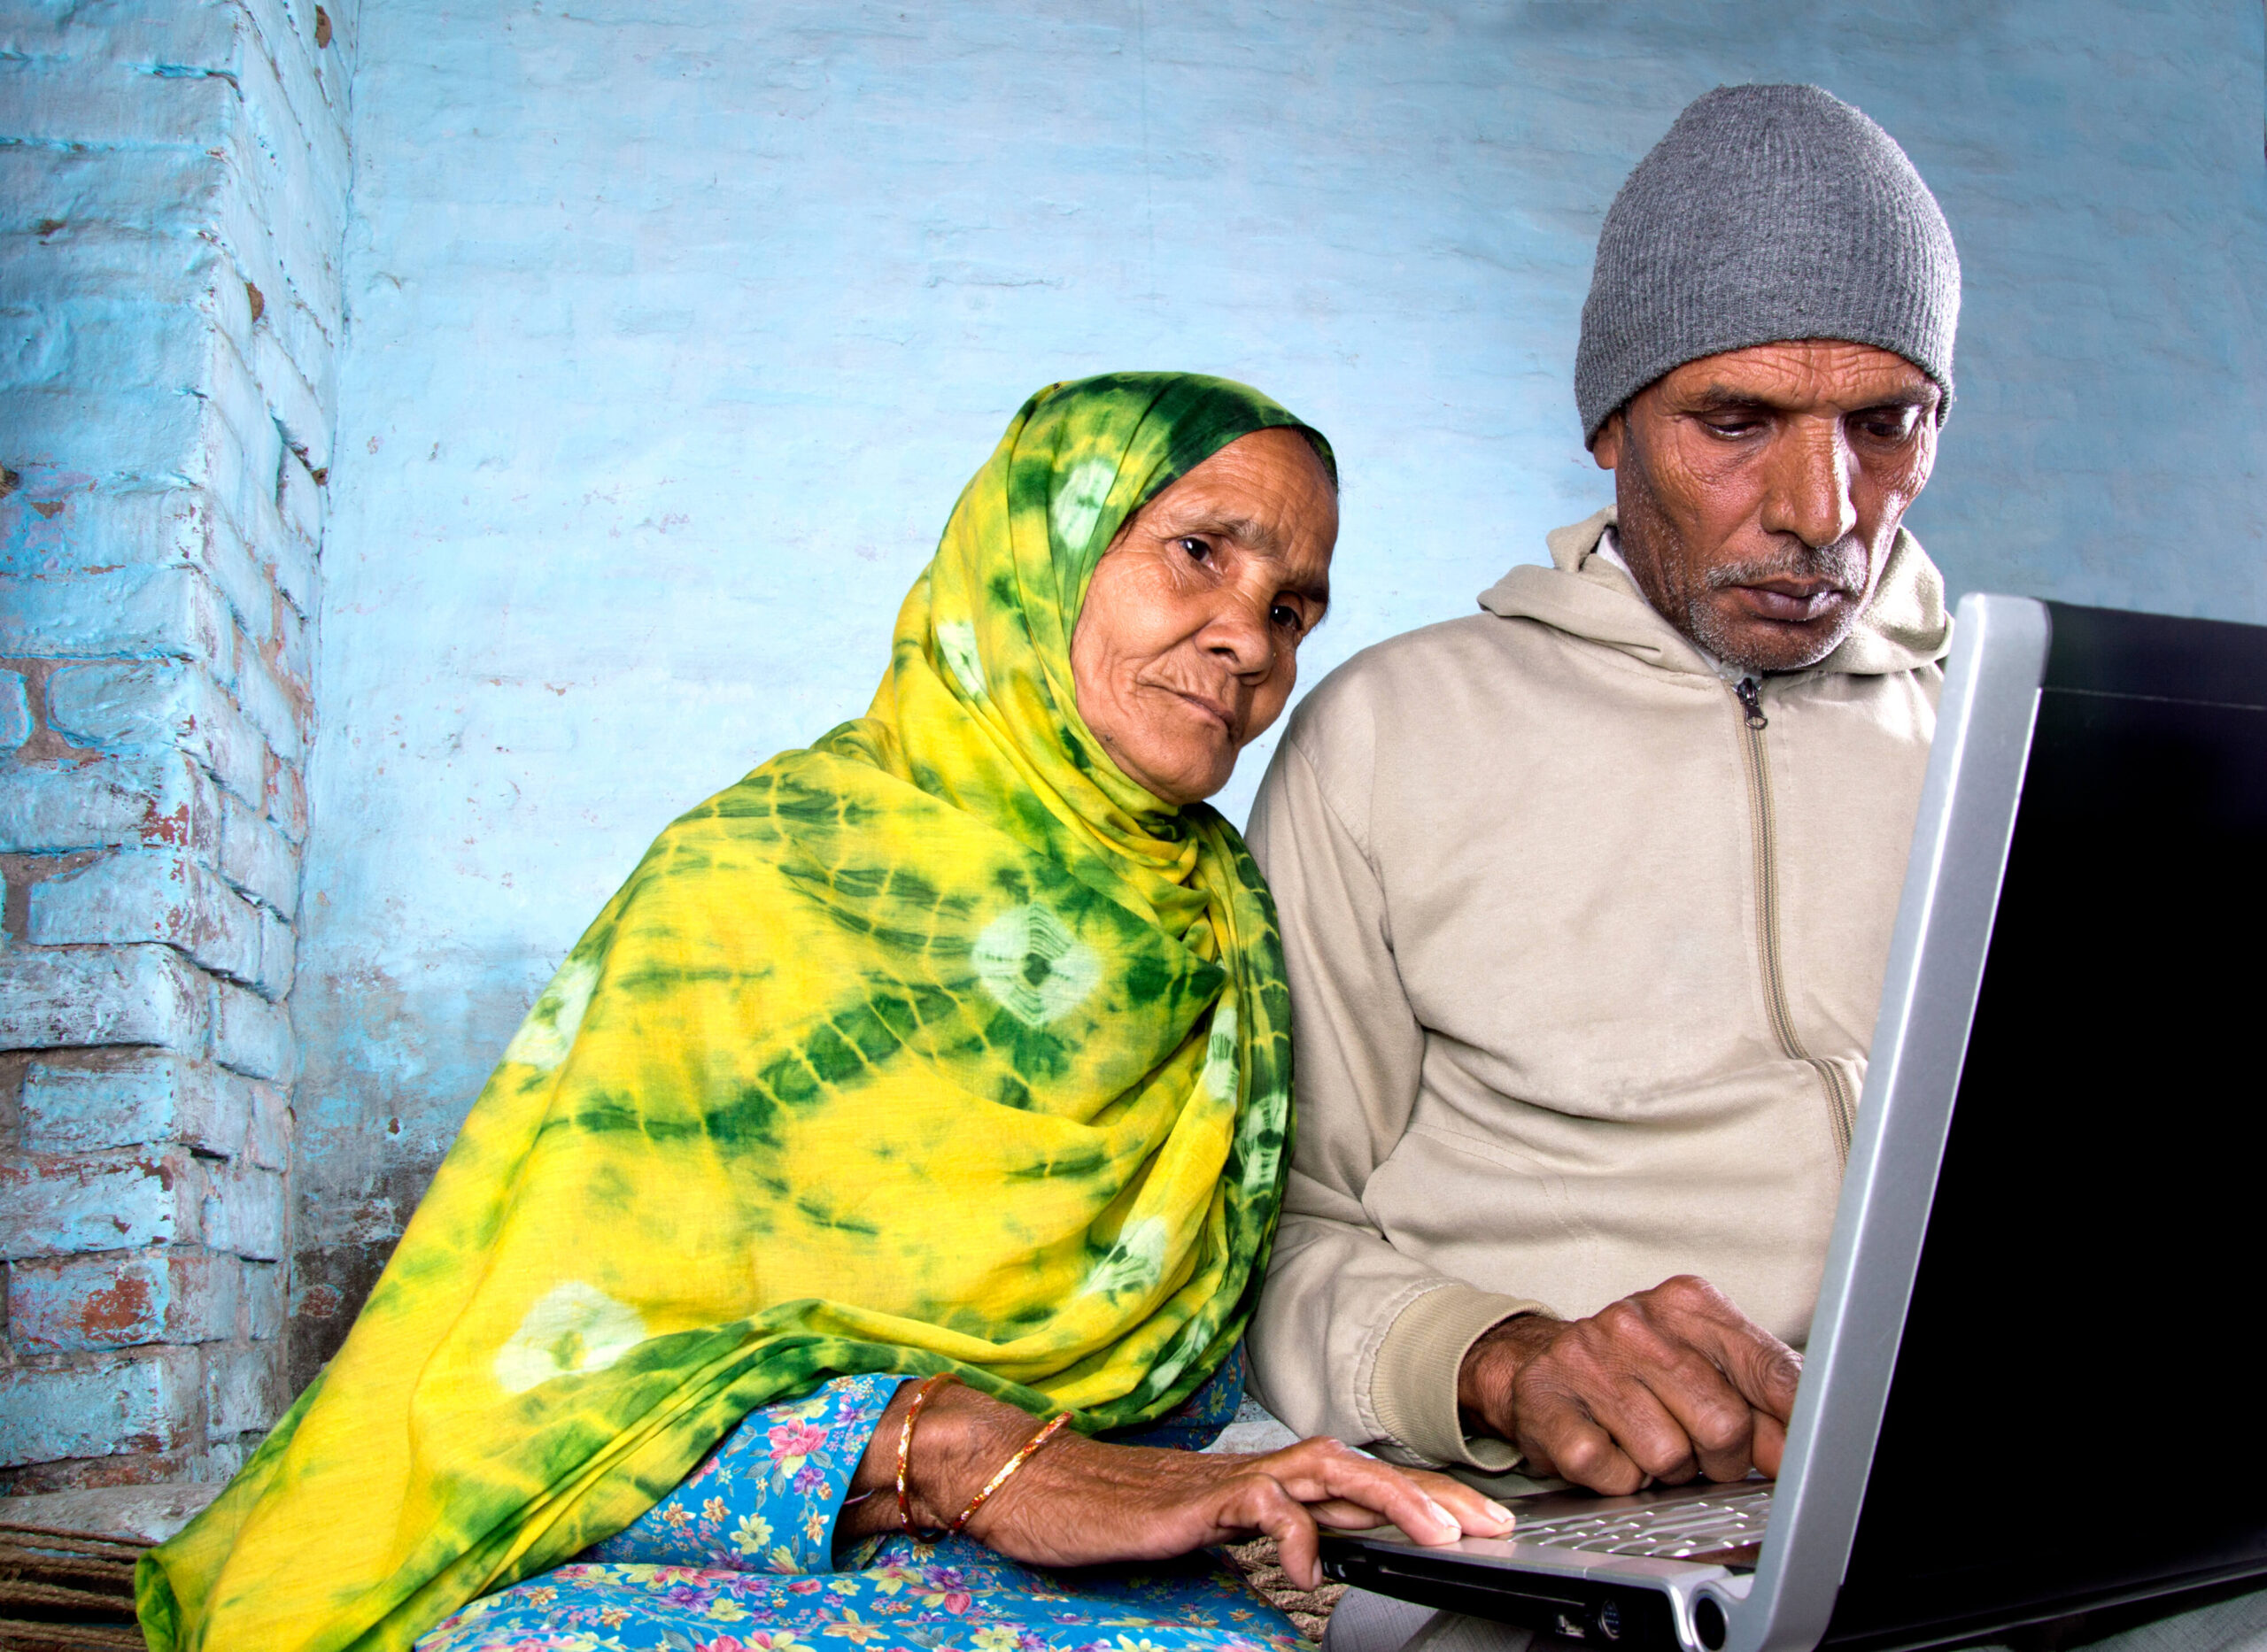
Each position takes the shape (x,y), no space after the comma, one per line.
(1735,427)
(1891,426)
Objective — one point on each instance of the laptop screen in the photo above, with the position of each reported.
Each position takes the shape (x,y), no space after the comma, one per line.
(2074,1409)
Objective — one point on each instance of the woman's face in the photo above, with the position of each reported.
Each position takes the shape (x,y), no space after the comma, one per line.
(1188,645)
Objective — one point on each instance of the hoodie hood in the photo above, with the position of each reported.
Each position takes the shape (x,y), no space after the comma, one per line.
(1904,627)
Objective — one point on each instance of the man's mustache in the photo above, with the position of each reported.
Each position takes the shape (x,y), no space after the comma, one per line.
(1842,565)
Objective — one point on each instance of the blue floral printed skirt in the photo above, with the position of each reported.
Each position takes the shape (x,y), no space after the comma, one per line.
(741,1558)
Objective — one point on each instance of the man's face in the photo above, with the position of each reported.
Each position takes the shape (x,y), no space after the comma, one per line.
(1760,491)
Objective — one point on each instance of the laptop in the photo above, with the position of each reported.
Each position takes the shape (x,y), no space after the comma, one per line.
(2031,1389)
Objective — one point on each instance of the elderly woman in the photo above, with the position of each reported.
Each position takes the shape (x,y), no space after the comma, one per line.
(903,1141)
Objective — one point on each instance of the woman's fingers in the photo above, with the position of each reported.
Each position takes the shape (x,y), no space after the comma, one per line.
(1479,1515)
(1339,1514)
(1285,1519)
(1324,1471)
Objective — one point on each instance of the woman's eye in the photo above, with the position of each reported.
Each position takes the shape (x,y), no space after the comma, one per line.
(1197,549)
(1284,615)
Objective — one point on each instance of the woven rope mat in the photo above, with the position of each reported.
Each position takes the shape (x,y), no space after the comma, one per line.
(1263,1568)
(60,1591)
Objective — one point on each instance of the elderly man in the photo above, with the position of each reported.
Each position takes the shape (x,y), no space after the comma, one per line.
(1587,898)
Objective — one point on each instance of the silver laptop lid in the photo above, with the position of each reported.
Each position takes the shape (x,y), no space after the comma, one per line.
(1935,961)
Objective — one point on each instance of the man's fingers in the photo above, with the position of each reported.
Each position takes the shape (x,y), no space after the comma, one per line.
(1770,1443)
(1564,1435)
(1649,1433)
(1764,1370)
(1716,1420)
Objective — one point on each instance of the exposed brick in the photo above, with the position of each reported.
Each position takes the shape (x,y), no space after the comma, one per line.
(243,1211)
(140,610)
(159,703)
(150,895)
(291,400)
(244,1388)
(223,1460)
(251,1035)
(146,799)
(287,802)
(263,1303)
(89,100)
(122,1299)
(152,256)
(136,433)
(151,1099)
(257,859)
(130,529)
(267,1143)
(66,1206)
(141,994)
(144,1401)
(294,649)
(279,956)
(268,707)
(171,207)
(103,335)
(299,501)
(15,711)
(145,222)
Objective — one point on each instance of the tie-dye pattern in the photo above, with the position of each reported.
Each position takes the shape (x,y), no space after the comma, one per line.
(939,1044)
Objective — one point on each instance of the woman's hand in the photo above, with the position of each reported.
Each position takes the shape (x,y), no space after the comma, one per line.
(1080,1502)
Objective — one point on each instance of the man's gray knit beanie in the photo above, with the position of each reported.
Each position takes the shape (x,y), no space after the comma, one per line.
(1767,213)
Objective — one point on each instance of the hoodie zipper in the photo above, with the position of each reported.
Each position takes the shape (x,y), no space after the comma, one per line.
(1841,1112)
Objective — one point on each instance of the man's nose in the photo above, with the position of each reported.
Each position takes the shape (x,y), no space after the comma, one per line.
(1808,492)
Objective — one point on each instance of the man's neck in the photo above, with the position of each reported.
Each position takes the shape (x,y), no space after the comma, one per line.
(1609,546)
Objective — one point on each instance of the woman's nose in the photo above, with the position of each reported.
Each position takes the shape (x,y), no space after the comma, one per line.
(1237,632)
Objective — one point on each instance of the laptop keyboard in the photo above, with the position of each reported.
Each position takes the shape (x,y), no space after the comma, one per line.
(1668,1531)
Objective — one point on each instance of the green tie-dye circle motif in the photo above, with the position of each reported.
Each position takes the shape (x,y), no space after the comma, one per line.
(1034,966)
(938,1046)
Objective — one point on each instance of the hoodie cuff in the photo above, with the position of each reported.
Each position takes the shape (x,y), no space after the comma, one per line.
(1413,1385)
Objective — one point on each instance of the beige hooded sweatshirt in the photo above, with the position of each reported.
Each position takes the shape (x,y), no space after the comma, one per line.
(1583,966)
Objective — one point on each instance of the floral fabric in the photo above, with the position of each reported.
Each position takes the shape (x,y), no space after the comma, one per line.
(741,1558)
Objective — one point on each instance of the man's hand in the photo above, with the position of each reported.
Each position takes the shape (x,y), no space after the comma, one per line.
(1662,1385)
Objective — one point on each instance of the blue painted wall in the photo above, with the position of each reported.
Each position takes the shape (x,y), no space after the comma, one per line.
(675,329)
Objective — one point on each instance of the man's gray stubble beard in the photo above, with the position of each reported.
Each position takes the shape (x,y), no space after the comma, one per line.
(1843,563)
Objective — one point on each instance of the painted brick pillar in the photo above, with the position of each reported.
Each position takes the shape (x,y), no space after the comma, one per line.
(172,179)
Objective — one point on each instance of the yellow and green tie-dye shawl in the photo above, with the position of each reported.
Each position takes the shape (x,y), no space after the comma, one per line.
(939,1045)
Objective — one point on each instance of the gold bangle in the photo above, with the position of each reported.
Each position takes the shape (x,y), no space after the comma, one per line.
(1053,1428)
(929,1385)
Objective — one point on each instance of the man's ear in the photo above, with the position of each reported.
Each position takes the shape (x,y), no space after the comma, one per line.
(1605,447)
